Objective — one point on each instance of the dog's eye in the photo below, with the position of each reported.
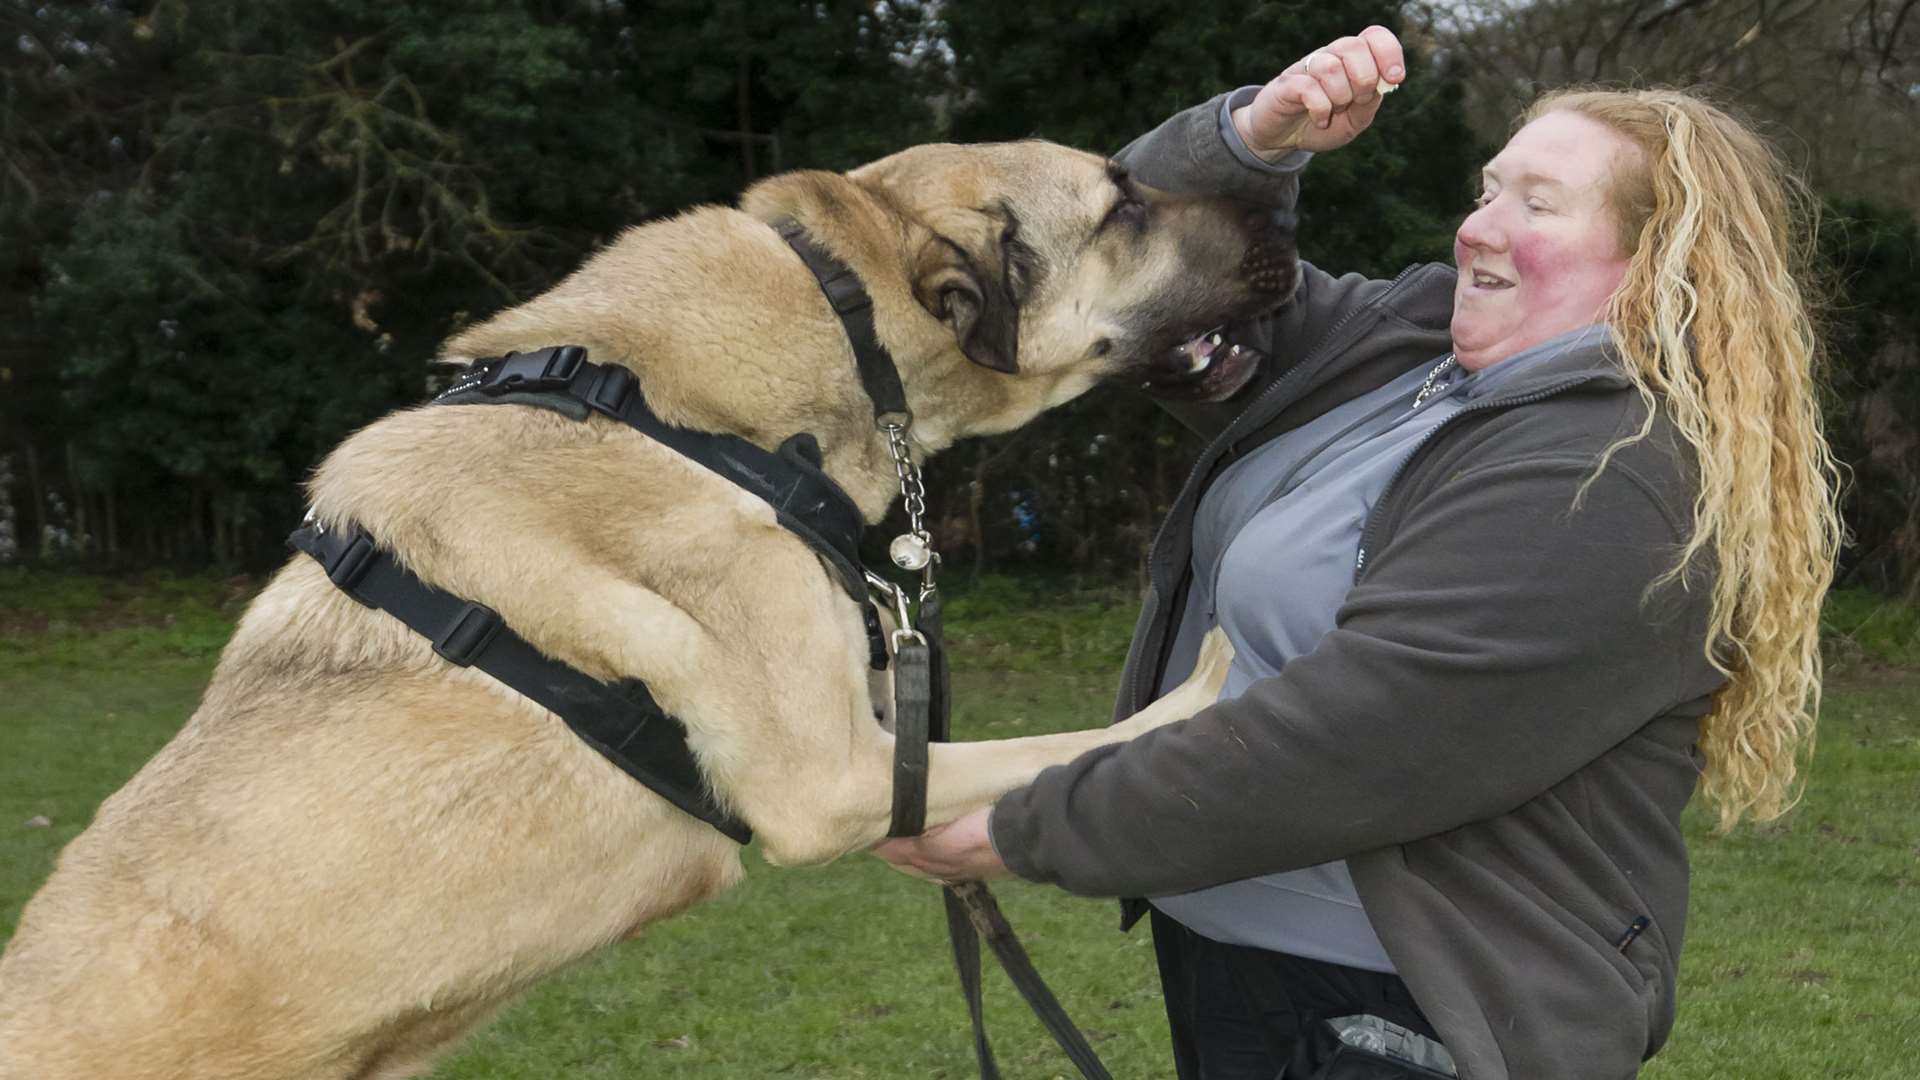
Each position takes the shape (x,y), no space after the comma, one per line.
(1129,211)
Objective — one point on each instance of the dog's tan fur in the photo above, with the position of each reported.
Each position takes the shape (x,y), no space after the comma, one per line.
(353,852)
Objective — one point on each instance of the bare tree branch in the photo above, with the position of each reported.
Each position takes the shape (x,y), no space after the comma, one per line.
(1678,9)
(1893,35)
(1608,56)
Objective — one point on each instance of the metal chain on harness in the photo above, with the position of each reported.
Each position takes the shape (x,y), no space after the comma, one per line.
(913,549)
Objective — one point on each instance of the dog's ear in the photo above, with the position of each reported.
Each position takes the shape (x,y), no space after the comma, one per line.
(960,278)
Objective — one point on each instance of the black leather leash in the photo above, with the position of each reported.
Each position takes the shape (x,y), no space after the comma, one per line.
(922,697)
(971,903)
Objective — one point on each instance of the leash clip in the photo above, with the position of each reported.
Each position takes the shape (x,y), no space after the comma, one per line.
(896,599)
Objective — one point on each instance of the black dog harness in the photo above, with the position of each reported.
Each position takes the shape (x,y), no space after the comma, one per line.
(621,720)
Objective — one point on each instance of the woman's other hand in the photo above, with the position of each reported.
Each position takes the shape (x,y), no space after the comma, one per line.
(1324,99)
(960,850)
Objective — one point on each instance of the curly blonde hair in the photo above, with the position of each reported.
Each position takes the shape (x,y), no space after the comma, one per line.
(1714,324)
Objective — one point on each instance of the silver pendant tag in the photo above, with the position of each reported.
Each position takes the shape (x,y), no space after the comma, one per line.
(910,552)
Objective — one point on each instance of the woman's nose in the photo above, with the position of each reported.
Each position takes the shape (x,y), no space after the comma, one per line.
(1482,229)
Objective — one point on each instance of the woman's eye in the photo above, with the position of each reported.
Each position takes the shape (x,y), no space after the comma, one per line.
(1483,199)
(1537,206)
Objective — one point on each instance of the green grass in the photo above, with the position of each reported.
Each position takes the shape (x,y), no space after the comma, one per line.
(1803,955)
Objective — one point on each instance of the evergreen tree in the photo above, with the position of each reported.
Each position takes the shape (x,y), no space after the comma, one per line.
(268,214)
(1872,252)
(77,111)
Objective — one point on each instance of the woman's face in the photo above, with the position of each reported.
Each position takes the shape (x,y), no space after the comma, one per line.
(1541,255)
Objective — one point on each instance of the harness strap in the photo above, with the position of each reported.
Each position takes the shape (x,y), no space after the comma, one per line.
(621,720)
(855,308)
(804,498)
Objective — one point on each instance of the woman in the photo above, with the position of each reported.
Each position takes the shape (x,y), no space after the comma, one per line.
(1513,553)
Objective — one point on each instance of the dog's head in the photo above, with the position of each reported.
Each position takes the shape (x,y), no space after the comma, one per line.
(1056,268)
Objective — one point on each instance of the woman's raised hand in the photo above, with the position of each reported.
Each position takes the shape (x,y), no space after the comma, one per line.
(1324,99)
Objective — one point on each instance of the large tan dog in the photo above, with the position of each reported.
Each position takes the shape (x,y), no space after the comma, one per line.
(354,851)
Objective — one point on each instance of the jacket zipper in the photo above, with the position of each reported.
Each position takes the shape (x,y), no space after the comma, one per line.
(1226,438)
(1371,528)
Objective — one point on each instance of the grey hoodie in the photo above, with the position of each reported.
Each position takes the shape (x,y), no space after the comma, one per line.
(1498,735)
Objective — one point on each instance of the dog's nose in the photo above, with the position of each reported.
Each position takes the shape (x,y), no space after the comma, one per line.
(1270,264)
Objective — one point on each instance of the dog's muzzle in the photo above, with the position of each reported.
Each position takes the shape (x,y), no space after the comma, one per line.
(1211,365)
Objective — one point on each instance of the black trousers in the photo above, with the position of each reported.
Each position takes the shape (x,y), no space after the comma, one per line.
(1240,1013)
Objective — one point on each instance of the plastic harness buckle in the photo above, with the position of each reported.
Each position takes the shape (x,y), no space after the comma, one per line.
(612,390)
(472,630)
(543,369)
(351,561)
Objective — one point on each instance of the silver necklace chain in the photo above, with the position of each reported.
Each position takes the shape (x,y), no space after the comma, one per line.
(1427,388)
